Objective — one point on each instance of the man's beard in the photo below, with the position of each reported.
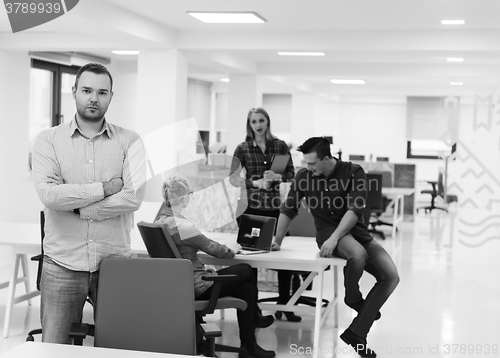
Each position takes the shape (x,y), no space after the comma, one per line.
(91,115)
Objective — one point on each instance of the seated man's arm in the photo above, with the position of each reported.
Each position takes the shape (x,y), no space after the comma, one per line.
(356,203)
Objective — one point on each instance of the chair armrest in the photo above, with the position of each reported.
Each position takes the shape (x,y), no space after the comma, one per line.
(210,331)
(81,330)
(37,258)
(218,280)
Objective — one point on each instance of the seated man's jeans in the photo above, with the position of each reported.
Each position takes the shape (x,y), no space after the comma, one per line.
(372,258)
(63,295)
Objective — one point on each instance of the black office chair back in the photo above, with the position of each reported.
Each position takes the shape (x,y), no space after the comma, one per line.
(440,185)
(158,240)
(39,258)
(386,177)
(146,304)
(374,198)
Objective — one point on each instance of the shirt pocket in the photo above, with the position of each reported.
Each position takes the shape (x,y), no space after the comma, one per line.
(112,166)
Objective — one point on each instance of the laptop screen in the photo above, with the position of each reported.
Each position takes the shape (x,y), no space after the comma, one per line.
(256,232)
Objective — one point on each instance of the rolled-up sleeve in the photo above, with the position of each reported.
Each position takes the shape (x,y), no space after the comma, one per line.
(290,206)
(237,165)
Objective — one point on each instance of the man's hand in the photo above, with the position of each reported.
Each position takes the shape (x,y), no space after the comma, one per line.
(276,244)
(328,247)
(112,187)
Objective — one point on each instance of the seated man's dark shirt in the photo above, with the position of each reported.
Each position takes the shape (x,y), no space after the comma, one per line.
(329,198)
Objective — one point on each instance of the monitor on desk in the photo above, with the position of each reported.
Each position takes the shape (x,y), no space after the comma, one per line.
(356,157)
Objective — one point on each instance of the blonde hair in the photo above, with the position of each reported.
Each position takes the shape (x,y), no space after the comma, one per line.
(175,188)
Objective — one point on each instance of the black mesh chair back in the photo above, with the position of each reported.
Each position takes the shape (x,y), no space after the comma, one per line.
(158,241)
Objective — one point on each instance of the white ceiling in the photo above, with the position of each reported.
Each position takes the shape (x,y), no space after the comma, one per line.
(399,47)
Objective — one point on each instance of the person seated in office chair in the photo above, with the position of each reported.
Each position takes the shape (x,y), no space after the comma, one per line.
(189,240)
(336,192)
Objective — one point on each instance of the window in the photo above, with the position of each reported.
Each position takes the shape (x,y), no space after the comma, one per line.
(51,99)
(428,149)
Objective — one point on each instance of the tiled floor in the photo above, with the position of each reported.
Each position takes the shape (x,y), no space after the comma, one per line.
(447,304)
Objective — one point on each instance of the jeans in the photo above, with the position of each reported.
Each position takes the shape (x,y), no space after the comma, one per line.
(370,257)
(244,288)
(63,294)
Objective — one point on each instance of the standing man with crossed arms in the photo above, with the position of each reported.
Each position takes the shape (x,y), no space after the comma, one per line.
(87,173)
(336,193)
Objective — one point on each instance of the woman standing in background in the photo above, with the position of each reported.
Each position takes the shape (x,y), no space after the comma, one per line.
(255,156)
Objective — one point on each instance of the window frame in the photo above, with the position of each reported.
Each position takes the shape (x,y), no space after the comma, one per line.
(58,70)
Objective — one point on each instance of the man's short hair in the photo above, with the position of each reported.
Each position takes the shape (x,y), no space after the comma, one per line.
(319,145)
(96,68)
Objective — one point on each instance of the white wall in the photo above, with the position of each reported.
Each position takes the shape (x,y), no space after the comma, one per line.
(123,110)
(374,126)
(198,102)
(279,107)
(19,200)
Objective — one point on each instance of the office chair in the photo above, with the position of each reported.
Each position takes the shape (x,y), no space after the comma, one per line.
(147,305)
(160,244)
(374,202)
(302,225)
(39,258)
(386,183)
(437,190)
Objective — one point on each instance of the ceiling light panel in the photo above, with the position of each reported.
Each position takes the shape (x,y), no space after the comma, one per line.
(228,17)
(285,53)
(452,22)
(343,81)
(125,52)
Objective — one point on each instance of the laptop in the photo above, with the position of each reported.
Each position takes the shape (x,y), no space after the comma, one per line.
(255,234)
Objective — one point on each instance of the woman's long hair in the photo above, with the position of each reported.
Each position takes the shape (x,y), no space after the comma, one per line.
(250,133)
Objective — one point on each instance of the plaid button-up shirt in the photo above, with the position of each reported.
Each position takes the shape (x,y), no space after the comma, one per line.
(68,172)
(249,156)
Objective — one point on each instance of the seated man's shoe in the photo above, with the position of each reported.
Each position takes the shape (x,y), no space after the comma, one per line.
(357,306)
(357,343)
(290,316)
(264,321)
(255,351)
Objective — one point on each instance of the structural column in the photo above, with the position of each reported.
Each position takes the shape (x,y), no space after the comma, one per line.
(162,83)
(242,95)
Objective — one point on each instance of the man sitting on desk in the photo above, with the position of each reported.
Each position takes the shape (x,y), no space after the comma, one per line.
(335,192)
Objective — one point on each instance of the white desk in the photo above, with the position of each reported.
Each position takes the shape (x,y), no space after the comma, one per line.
(397,204)
(50,350)
(297,253)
